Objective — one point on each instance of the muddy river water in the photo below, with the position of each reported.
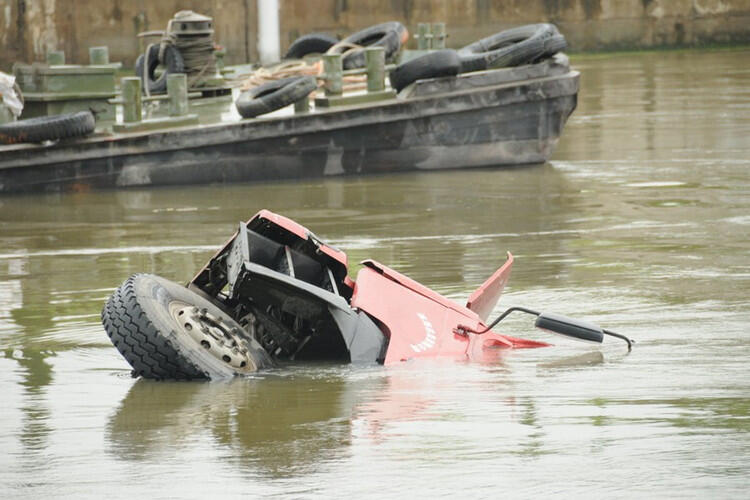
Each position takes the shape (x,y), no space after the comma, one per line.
(640,222)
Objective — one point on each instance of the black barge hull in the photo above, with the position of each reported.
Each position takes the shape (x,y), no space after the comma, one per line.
(502,117)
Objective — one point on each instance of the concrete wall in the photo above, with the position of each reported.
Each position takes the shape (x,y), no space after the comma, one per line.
(28,28)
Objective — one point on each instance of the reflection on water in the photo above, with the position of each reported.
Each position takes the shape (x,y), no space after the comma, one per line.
(277,425)
(640,222)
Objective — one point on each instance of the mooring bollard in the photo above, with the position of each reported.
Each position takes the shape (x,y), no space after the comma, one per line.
(424,37)
(178,94)
(131,100)
(302,106)
(56,58)
(98,56)
(438,35)
(375,57)
(333,72)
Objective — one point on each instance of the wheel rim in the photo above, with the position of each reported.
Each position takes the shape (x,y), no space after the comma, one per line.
(214,335)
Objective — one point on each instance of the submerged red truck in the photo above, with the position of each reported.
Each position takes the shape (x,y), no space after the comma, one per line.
(276,293)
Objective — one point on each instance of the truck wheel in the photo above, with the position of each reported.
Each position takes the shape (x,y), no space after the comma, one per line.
(166,331)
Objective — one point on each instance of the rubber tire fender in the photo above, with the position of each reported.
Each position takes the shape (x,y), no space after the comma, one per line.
(553,45)
(313,43)
(434,64)
(390,36)
(173,63)
(512,47)
(403,33)
(274,95)
(139,321)
(48,128)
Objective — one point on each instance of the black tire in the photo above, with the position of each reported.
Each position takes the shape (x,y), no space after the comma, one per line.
(553,45)
(387,35)
(48,128)
(274,95)
(513,47)
(139,68)
(314,43)
(173,63)
(158,327)
(431,65)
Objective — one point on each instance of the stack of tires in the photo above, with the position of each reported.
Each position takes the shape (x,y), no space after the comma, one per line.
(392,36)
(280,93)
(514,47)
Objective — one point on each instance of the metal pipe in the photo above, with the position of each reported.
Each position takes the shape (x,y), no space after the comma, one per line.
(363,71)
(268,31)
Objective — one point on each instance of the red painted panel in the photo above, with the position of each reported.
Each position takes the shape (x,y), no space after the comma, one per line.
(484,298)
(419,326)
(417,287)
(420,321)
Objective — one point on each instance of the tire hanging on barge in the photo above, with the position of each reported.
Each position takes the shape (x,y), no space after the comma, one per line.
(173,64)
(391,36)
(274,95)
(512,47)
(48,128)
(313,43)
(434,64)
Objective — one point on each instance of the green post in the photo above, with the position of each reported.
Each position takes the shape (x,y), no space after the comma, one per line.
(333,72)
(219,54)
(98,56)
(375,57)
(423,36)
(302,106)
(56,58)
(178,94)
(131,99)
(438,35)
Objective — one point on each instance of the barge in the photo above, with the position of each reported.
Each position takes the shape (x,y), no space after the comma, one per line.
(507,116)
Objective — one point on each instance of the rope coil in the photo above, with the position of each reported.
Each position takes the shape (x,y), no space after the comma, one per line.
(286,69)
(197,52)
